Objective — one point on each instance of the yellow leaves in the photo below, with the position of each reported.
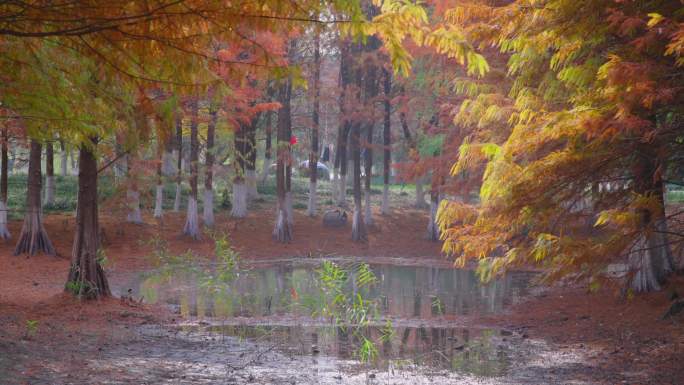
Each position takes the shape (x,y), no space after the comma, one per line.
(450,212)
(450,41)
(471,155)
(676,46)
(614,216)
(654,19)
(545,245)
(566,53)
(404,19)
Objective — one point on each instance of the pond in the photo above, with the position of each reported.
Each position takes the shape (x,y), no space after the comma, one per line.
(344,315)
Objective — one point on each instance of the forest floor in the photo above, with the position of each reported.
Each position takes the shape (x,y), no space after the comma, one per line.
(48,337)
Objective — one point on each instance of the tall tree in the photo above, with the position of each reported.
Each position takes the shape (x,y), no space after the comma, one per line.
(370,92)
(386,140)
(282,231)
(239,204)
(358,224)
(250,159)
(64,158)
(191,227)
(267,146)
(179,170)
(313,153)
(87,278)
(49,174)
(33,237)
(344,128)
(209,169)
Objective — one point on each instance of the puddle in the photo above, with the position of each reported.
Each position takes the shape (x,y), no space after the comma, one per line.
(384,318)
(409,293)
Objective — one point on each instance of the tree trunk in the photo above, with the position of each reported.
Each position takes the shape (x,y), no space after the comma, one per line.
(341,199)
(358,224)
(250,160)
(33,237)
(191,228)
(179,172)
(49,175)
(267,151)
(169,154)
(282,231)
(4,231)
(345,124)
(288,176)
(420,195)
(386,141)
(433,232)
(87,278)
(239,209)
(313,154)
(133,194)
(121,165)
(371,92)
(64,161)
(209,171)
(159,191)
(650,257)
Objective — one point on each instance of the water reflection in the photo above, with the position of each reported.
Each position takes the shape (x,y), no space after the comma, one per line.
(274,304)
(405,292)
(480,352)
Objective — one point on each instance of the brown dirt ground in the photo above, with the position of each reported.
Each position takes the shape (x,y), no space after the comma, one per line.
(622,335)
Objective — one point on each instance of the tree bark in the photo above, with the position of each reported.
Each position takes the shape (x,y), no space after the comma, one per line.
(121,165)
(87,278)
(33,237)
(64,161)
(239,204)
(358,224)
(386,141)
(433,232)
(191,228)
(267,151)
(313,154)
(345,125)
(133,193)
(282,231)
(288,174)
(371,92)
(250,160)
(4,170)
(179,172)
(159,190)
(49,174)
(420,194)
(209,171)
(650,257)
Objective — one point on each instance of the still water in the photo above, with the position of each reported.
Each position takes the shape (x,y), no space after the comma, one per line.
(385,317)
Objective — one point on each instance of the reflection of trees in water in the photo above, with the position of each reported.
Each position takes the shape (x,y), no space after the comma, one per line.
(409,293)
(401,291)
(479,352)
